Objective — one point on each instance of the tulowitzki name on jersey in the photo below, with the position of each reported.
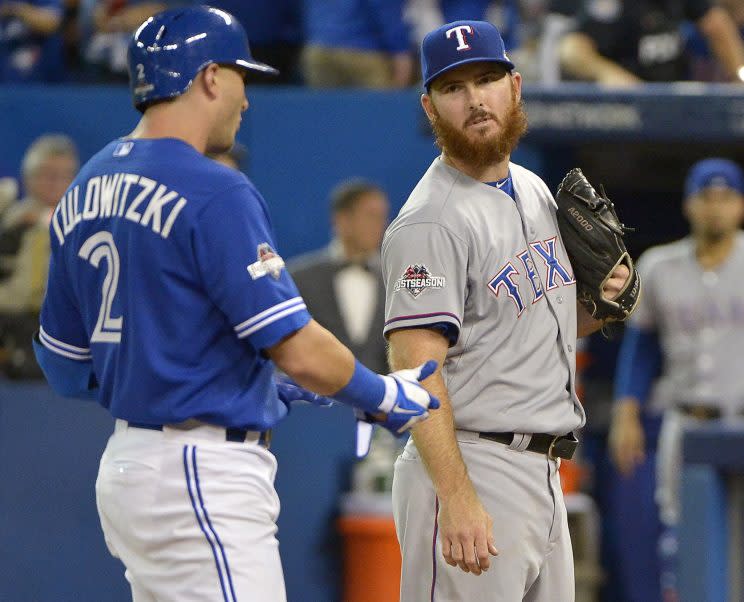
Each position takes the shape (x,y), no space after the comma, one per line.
(121,195)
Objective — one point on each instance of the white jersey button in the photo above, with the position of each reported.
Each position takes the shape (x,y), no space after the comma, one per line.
(559,299)
(570,348)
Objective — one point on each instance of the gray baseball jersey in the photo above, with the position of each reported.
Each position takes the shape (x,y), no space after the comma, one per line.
(699,316)
(494,270)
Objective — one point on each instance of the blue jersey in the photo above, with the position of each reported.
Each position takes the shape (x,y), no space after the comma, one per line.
(163,274)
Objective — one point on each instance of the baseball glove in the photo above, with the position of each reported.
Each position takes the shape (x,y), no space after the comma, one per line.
(593,237)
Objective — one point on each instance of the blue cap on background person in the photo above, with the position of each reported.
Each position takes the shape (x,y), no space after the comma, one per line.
(461,42)
(714,172)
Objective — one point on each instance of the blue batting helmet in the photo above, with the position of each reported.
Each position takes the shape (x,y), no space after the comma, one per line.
(169,49)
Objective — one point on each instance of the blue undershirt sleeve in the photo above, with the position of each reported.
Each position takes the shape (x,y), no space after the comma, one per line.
(638,363)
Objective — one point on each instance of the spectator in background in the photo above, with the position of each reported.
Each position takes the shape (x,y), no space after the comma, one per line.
(559,19)
(625,43)
(108,25)
(356,43)
(49,166)
(274,28)
(704,64)
(30,44)
(342,284)
(690,341)
(425,15)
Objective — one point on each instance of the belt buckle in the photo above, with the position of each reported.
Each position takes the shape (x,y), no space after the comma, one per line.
(552,445)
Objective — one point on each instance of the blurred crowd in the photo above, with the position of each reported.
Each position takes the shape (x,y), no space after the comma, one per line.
(373,43)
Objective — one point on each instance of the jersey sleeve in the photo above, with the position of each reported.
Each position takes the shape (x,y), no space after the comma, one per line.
(241,270)
(62,329)
(644,316)
(425,272)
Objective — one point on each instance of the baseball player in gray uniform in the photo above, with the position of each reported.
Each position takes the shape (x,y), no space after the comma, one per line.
(477,276)
(690,341)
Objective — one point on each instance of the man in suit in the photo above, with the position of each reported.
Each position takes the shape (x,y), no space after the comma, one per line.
(342,283)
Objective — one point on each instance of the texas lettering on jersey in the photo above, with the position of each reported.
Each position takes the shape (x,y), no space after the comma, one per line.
(506,278)
(120,195)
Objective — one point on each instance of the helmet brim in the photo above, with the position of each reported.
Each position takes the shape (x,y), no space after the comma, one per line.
(256,66)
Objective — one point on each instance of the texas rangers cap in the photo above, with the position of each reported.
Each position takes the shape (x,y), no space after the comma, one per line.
(461,42)
(714,172)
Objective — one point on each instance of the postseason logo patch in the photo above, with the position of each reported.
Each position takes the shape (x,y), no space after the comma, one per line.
(416,279)
(268,263)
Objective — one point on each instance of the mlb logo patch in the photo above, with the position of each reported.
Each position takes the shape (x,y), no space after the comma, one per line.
(416,279)
(268,263)
(123,149)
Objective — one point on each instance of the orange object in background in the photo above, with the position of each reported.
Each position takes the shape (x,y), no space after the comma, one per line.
(572,474)
(371,559)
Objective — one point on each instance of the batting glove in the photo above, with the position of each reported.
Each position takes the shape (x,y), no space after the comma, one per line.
(405,404)
(289,392)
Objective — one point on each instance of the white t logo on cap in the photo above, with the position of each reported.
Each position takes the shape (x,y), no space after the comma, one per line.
(460,33)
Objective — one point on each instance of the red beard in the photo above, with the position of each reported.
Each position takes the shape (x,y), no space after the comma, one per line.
(483,151)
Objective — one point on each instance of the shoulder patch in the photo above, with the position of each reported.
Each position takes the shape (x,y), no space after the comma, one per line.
(268,263)
(416,279)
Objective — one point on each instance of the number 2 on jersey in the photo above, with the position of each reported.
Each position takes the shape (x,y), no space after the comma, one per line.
(101,246)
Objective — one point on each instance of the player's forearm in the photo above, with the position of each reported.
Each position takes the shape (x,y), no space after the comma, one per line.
(436,442)
(627,406)
(39,20)
(724,39)
(315,359)
(128,19)
(580,59)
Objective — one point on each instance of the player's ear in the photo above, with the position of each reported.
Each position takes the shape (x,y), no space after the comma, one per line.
(428,106)
(516,77)
(208,79)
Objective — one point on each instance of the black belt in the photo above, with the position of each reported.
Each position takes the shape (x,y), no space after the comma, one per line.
(234,435)
(701,412)
(555,446)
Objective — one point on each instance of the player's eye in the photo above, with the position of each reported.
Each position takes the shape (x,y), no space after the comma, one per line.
(491,76)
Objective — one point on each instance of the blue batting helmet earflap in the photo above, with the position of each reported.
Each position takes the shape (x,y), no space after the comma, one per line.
(169,49)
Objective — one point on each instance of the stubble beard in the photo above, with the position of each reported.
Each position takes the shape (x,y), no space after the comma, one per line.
(484,150)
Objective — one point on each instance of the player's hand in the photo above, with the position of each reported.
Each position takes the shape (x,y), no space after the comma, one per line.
(616,282)
(466,531)
(289,392)
(627,440)
(406,401)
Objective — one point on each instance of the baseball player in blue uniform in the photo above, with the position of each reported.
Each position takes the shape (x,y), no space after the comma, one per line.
(168,303)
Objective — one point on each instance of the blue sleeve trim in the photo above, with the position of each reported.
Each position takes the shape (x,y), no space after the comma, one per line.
(638,363)
(67,377)
(448,330)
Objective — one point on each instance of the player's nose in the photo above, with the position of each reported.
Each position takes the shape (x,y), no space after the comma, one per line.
(474,95)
